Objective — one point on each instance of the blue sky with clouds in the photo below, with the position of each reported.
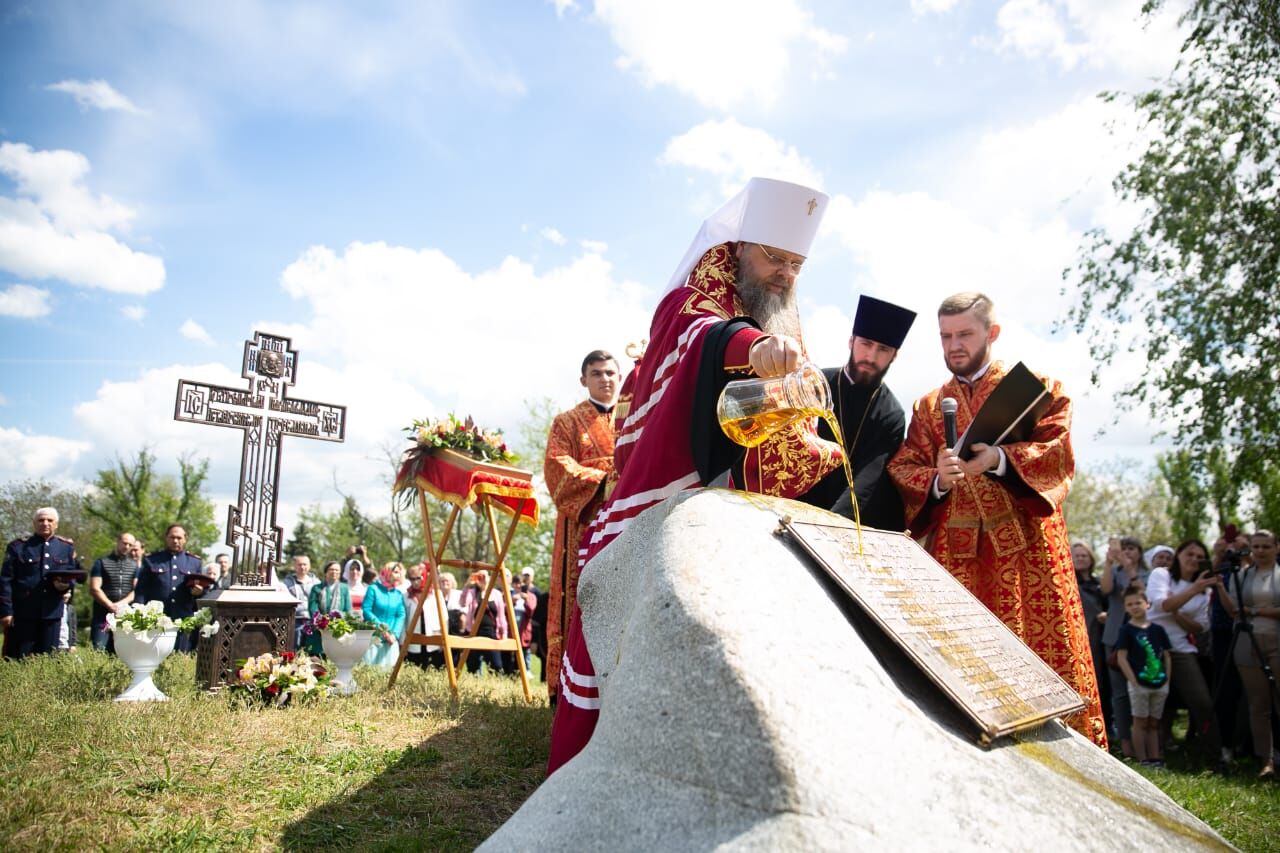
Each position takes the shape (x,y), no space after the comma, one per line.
(446,204)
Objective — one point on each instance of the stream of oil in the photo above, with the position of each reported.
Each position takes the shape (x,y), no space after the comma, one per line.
(752,431)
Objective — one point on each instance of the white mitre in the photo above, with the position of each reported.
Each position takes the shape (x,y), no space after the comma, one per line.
(778,214)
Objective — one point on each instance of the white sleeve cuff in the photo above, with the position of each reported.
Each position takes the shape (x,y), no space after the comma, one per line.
(1003,466)
(937,490)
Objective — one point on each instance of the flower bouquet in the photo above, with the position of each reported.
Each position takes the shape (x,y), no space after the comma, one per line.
(149,620)
(460,443)
(449,433)
(144,637)
(277,680)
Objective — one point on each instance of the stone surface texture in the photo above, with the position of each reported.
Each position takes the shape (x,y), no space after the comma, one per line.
(746,707)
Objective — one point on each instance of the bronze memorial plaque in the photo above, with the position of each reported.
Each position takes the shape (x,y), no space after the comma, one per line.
(999,683)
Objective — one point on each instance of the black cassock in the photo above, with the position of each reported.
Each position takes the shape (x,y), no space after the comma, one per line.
(874,424)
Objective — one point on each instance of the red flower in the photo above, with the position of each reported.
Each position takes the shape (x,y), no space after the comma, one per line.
(286,656)
(272,689)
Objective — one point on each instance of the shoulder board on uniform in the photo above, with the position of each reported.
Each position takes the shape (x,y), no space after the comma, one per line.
(63,539)
(17,541)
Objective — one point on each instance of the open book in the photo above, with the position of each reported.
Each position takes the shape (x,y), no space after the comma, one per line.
(1010,414)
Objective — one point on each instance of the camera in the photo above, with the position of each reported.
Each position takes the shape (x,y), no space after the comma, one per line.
(1232,556)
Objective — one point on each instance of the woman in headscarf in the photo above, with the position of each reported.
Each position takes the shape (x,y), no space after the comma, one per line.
(384,604)
(354,577)
(327,596)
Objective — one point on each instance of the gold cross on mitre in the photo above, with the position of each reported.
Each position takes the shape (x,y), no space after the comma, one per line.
(813,202)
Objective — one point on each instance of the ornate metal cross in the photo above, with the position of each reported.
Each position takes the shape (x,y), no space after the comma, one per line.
(266,415)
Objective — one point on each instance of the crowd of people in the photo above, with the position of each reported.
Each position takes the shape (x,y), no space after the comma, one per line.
(41,574)
(1193,628)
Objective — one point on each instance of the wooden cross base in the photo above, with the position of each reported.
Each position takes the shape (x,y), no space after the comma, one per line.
(497,579)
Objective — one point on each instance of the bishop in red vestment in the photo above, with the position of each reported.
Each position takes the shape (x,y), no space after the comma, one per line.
(738,276)
(578,460)
(995,521)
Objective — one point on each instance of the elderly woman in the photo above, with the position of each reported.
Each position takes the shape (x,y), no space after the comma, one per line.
(1260,605)
(384,604)
(1179,598)
(1125,566)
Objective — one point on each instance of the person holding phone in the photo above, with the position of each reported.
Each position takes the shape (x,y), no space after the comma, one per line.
(1125,568)
(1179,597)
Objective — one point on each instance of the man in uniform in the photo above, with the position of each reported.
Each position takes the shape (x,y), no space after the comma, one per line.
(174,576)
(35,585)
(871,418)
(729,310)
(995,520)
(111,585)
(578,460)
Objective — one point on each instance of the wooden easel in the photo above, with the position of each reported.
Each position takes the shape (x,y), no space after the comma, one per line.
(497,578)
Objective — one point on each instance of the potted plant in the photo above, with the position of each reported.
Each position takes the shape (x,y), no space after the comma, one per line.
(283,679)
(144,637)
(345,639)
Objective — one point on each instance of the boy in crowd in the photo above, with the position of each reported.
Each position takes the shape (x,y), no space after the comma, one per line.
(1143,655)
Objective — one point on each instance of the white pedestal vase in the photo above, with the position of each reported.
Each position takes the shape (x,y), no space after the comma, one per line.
(143,654)
(344,653)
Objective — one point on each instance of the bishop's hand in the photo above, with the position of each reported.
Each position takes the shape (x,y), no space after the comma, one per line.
(775,355)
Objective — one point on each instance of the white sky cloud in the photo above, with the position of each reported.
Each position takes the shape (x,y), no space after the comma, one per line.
(23,300)
(925,7)
(1090,32)
(733,152)
(24,456)
(553,235)
(563,6)
(193,331)
(321,55)
(96,94)
(136,313)
(454,353)
(720,52)
(58,229)
(598,247)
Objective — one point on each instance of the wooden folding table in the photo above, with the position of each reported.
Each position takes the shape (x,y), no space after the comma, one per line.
(464,482)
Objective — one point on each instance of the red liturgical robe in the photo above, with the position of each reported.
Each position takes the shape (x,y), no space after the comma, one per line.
(693,335)
(1005,538)
(579,458)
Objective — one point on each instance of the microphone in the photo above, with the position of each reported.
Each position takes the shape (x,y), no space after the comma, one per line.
(949,406)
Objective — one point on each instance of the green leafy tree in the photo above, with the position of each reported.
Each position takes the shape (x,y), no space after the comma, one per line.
(1119,498)
(19,500)
(132,496)
(1197,280)
(301,542)
(1188,497)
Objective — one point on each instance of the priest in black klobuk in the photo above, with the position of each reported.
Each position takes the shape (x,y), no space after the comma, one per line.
(871,418)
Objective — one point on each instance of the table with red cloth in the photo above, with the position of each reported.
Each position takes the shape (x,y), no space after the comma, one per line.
(463,482)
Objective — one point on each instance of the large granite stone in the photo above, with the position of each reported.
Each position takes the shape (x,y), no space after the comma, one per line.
(746,706)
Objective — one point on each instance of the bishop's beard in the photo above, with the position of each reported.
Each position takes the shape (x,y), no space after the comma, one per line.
(775,312)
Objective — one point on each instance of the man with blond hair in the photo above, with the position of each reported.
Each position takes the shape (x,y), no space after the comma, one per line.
(995,520)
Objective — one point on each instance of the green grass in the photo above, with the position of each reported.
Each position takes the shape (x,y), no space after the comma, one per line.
(407,769)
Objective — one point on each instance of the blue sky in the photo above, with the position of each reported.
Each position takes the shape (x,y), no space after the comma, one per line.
(446,204)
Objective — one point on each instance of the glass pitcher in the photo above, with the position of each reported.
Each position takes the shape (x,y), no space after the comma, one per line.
(751,410)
